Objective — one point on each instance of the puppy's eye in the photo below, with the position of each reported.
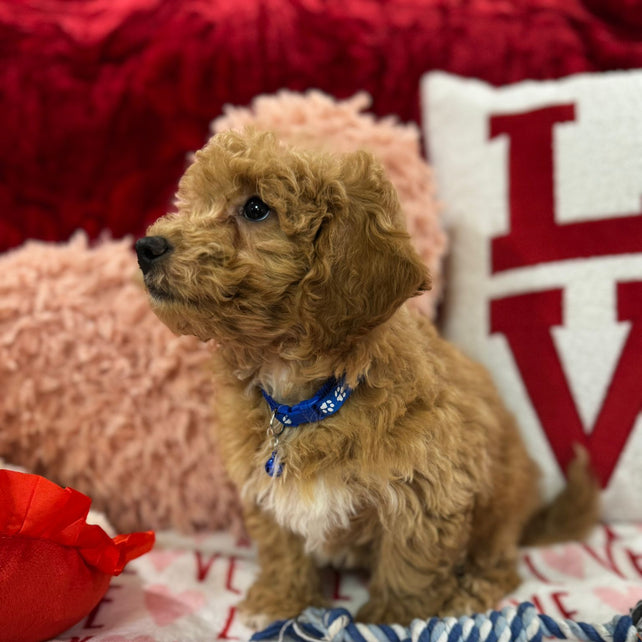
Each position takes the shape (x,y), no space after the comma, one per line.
(255,209)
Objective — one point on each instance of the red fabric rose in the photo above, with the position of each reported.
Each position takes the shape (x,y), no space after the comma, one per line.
(54,567)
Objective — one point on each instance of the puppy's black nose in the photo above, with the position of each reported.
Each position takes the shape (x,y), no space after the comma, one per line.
(150,249)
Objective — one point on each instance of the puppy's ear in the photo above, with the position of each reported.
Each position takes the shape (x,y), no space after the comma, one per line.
(364,265)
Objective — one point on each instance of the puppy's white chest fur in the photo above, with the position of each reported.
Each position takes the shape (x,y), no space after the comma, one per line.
(312,513)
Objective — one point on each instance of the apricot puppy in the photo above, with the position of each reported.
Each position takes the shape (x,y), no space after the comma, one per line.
(356,436)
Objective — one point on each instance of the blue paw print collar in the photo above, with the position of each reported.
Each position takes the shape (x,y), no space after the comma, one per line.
(326,402)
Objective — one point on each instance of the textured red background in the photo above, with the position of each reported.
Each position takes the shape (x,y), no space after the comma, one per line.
(101,99)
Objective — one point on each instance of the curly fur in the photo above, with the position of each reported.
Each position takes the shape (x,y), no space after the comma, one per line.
(421,477)
(317,121)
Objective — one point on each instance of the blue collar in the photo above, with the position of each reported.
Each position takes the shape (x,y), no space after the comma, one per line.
(326,402)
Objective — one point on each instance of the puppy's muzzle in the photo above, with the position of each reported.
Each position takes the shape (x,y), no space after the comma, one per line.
(150,249)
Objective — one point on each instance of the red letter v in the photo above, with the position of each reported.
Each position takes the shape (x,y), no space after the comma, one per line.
(526,321)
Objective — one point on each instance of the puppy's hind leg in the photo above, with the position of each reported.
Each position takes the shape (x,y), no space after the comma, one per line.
(490,569)
(482,584)
(414,570)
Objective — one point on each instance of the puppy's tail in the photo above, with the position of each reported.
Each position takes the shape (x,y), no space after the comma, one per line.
(572,514)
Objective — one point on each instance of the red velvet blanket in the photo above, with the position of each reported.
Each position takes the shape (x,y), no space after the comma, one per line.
(100,100)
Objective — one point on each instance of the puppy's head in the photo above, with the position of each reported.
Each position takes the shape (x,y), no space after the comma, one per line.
(278,250)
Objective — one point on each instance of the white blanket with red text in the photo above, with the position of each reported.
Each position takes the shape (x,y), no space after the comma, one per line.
(186,589)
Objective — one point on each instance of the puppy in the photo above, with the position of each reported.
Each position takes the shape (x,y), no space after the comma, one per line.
(356,435)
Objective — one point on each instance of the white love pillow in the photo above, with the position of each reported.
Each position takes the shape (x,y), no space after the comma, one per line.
(541,184)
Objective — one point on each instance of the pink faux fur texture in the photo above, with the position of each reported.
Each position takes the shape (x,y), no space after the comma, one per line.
(315,119)
(97,394)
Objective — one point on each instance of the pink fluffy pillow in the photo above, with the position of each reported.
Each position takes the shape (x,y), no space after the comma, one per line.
(99,395)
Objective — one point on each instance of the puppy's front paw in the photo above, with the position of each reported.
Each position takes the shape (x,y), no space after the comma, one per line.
(254,621)
(378,612)
(395,611)
(267,601)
